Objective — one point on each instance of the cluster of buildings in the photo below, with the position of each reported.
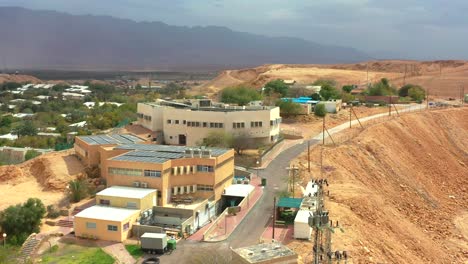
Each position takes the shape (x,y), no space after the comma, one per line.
(148,183)
(308,104)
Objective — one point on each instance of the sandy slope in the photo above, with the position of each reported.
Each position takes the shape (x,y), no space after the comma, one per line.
(44,177)
(400,190)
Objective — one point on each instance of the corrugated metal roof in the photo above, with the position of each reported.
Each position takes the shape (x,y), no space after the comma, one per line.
(110,139)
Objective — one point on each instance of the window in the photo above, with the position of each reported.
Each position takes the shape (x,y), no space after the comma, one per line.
(169,121)
(132,205)
(152,173)
(197,124)
(184,122)
(177,122)
(204,168)
(172,171)
(124,171)
(238,125)
(205,124)
(90,225)
(202,187)
(256,124)
(159,194)
(104,202)
(126,226)
(112,228)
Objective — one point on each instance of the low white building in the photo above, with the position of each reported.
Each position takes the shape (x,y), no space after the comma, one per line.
(302,230)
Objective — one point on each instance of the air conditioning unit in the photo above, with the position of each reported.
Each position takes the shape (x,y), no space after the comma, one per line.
(189,153)
(196,153)
(206,153)
(144,185)
(136,184)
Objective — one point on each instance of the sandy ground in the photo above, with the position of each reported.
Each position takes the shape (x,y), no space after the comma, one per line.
(399,190)
(44,177)
(442,78)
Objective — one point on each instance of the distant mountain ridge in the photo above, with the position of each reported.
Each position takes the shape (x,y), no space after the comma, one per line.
(53,40)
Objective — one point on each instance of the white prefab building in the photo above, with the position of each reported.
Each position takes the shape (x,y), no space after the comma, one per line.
(189,122)
(302,230)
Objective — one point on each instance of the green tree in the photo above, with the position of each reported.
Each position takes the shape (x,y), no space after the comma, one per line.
(417,93)
(382,88)
(240,95)
(217,139)
(241,142)
(320,110)
(328,92)
(19,221)
(347,88)
(315,96)
(277,86)
(403,92)
(25,128)
(78,190)
(347,97)
(30,154)
(10,86)
(325,82)
(289,108)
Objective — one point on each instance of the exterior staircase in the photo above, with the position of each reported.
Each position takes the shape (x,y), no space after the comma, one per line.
(65,223)
(28,248)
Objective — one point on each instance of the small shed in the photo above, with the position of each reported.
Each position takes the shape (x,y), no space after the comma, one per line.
(302,230)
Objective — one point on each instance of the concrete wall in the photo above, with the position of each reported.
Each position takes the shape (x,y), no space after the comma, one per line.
(138,230)
(101,232)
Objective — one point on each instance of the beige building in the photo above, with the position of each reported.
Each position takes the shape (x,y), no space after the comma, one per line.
(174,171)
(117,209)
(189,122)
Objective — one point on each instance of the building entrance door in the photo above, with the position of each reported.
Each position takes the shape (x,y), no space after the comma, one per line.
(182,139)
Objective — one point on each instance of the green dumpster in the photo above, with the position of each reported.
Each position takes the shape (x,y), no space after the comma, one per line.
(171,244)
(263,182)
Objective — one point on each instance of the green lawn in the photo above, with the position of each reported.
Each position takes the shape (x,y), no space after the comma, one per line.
(74,254)
(134,250)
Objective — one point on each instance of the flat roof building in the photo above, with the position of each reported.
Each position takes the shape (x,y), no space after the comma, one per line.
(188,122)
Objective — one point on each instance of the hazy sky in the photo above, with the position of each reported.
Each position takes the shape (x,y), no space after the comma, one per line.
(418,29)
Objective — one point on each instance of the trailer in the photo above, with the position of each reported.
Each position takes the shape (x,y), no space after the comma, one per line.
(154,243)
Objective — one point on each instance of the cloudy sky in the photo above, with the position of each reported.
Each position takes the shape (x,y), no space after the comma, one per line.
(415,29)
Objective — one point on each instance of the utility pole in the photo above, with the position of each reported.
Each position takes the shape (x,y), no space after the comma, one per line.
(404,76)
(350,118)
(308,156)
(389,105)
(274,217)
(427,99)
(323,131)
(367,70)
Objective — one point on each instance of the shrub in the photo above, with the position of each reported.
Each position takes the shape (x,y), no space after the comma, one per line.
(320,110)
(52,212)
(30,154)
(289,108)
(277,86)
(240,95)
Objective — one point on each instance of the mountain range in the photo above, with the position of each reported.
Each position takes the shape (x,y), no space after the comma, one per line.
(32,39)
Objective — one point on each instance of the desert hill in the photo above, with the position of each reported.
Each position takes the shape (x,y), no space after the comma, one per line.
(399,190)
(44,177)
(19,78)
(442,78)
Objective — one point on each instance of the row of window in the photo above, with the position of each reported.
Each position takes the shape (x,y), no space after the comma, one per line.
(238,125)
(275,122)
(205,168)
(158,174)
(152,173)
(125,171)
(146,117)
(256,124)
(106,202)
(202,187)
(91,225)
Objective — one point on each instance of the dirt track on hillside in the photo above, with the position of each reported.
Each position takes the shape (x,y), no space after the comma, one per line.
(400,190)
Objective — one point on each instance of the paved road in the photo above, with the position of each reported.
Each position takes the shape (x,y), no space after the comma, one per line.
(250,230)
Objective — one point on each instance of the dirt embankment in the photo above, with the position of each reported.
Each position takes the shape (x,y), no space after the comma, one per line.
(44,177)
(19,78)
(400,190)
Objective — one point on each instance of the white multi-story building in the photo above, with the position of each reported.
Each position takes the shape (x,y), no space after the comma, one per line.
(189,122)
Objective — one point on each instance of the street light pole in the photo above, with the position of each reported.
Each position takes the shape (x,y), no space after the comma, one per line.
(258,165)
(4,239)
